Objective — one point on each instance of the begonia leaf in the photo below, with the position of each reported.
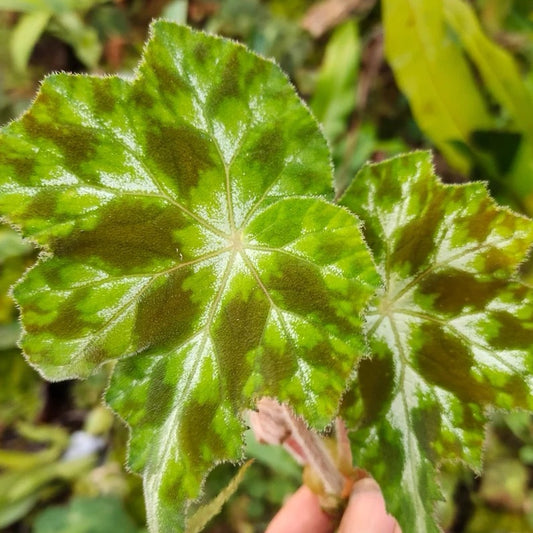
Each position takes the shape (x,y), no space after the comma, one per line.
(189,238)
(451,332)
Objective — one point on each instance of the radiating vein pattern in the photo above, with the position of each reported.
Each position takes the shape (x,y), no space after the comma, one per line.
(189,238)
(451,331)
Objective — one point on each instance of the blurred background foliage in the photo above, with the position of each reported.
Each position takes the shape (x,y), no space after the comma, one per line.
(383,77)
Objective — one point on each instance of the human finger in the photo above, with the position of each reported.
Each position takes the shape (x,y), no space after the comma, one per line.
(366,511)
(301,514)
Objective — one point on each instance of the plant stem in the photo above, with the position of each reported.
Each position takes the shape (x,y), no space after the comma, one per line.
(274,423)
(316,453)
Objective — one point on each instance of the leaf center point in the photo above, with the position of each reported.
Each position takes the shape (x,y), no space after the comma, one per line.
(386,306)
(236,240)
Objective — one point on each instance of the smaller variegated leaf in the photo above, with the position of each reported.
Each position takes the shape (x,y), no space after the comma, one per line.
(451,331)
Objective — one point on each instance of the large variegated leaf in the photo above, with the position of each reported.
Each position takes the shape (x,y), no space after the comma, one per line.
(451,331)
(180,245)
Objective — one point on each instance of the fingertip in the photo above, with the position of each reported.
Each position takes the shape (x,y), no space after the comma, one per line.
(366,511)
(365,485)
(301,513)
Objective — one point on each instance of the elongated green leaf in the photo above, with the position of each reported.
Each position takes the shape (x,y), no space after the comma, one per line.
(431,70)
(11,245)
(180,245)
(23,5)
(20,385)
(15,256)
(496,66)
(200,518)
(25,35)
(71,28)
(451,331)
(334,96)
(54,6)
(176,11)
(503,79)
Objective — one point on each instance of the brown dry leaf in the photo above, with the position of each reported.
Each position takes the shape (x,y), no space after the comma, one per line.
(326,15)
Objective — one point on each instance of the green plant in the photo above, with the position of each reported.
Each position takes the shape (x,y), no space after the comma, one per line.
(190,236)
(86,515)
(28,477)
(439,52)
(20,395)
(63,18)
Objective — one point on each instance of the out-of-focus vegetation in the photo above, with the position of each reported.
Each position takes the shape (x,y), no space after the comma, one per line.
(381,78)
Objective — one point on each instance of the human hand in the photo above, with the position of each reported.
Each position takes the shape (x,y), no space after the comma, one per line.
(365,513)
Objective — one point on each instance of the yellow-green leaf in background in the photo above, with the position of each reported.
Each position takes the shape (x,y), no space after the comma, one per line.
(502,78)
(495,65)
(431,70)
